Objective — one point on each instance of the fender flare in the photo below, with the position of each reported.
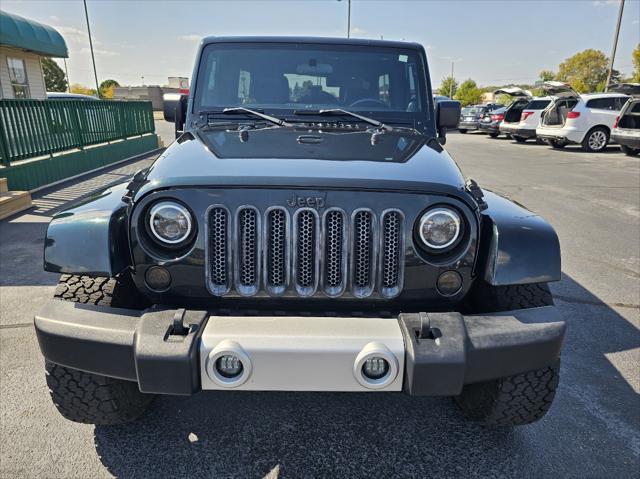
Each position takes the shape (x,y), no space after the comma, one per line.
(520,247)
(91,238)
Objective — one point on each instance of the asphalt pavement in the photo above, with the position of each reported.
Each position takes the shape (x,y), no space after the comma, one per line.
(592,430)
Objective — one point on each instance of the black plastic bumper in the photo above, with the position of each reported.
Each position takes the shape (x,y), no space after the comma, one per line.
(626,140)
(158,348)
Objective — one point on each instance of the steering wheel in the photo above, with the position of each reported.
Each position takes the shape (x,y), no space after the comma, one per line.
(368,102)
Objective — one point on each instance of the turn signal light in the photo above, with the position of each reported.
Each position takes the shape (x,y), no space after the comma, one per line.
(573,114)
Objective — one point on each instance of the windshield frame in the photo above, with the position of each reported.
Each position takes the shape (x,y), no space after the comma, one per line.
(394,116)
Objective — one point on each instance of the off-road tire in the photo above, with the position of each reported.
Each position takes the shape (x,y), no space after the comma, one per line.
(513,400)
(603,135)
(493,135)
(93,399)
(90,398)
(520,139)
(629,151)
(462,131)
(485,298)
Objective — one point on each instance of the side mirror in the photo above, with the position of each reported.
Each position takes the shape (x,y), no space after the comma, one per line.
(447,117)
(175,110)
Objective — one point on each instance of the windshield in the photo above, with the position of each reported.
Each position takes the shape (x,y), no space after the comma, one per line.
(282,78)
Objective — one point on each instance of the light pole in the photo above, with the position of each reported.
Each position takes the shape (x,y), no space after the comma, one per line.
(348,18)
(615,45)
(451,82)
(93,59)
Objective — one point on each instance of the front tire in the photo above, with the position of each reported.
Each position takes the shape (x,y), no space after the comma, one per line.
(595,140)
(513,400)
(462,131)
(629,151)
(520,139)
(91,398)
(493,134)
(556,144)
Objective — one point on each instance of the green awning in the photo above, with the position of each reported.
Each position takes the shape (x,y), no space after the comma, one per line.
(19,32)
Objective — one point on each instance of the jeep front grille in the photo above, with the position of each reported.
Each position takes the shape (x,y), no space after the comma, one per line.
(305,253)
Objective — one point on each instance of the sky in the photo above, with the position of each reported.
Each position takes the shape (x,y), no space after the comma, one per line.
(493,42)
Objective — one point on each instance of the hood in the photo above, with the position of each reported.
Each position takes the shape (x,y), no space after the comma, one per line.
(284,157)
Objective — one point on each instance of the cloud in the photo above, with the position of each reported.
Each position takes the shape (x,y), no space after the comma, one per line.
(358,31)
(54,18)
(604,3)
(100,52)
(192,37)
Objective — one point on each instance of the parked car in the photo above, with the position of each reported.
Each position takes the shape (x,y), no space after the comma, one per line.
(470,116)
(523,115)
(490,122)
(583,119)
(54,95)
(626,130)
(310,239)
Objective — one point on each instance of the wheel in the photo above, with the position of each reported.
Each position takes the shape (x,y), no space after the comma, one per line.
(595,140)
(629,151)
(556,144)
(493,134)
(513,400)
(485,298)
(519,139)
(90,398)
(462,131)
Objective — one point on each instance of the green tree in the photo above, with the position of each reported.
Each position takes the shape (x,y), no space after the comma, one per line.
(547,75)
(54,77)
(448,86)
(635,56)
(468,93)
(585,71)
(82,90)
(106,88)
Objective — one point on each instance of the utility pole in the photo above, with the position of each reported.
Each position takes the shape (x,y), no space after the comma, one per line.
(451,83)
(93,58)
(66,72)
(615,45)
(349,20)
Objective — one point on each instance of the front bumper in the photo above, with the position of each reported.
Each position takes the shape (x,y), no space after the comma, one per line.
(169,351)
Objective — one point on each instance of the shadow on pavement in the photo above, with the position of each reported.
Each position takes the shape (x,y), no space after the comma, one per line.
(593,429)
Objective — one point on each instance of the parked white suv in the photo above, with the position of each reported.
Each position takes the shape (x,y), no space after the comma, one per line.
(523,115)
(575,118)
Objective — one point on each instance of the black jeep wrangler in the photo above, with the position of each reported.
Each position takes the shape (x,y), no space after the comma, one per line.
(305,232)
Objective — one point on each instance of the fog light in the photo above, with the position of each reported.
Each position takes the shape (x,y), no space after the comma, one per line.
(158,278)
(375,368)
(449,283)
(229,366)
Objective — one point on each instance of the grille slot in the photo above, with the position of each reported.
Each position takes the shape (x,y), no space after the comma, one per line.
(335,251)
(277,254)
(218,261)
(391,261)
(248,256)
(305,254)
(363,255)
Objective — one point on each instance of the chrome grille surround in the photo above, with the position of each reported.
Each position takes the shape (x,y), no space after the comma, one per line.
(247,243)
(299,254)
(219,249)
(391,277)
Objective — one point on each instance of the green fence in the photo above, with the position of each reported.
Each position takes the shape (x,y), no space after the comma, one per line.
(31,128)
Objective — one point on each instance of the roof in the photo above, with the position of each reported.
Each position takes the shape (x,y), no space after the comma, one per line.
(591,96)
(19,32)
(316,40)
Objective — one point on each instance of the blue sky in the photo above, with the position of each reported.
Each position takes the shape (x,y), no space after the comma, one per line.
(493,42)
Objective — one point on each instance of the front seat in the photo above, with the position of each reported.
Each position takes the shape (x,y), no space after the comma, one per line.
(270,90)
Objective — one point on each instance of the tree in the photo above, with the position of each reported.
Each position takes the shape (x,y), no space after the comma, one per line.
(635,56)
(54,77)
(468,93)
(106,88)
(82,90)
(547,75)
(585,71)
(448,87)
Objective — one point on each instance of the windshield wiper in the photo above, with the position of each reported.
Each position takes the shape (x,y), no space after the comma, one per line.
(340,111)
(272,119)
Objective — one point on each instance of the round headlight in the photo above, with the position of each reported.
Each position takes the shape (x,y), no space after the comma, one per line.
(439,228)
(170,222)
